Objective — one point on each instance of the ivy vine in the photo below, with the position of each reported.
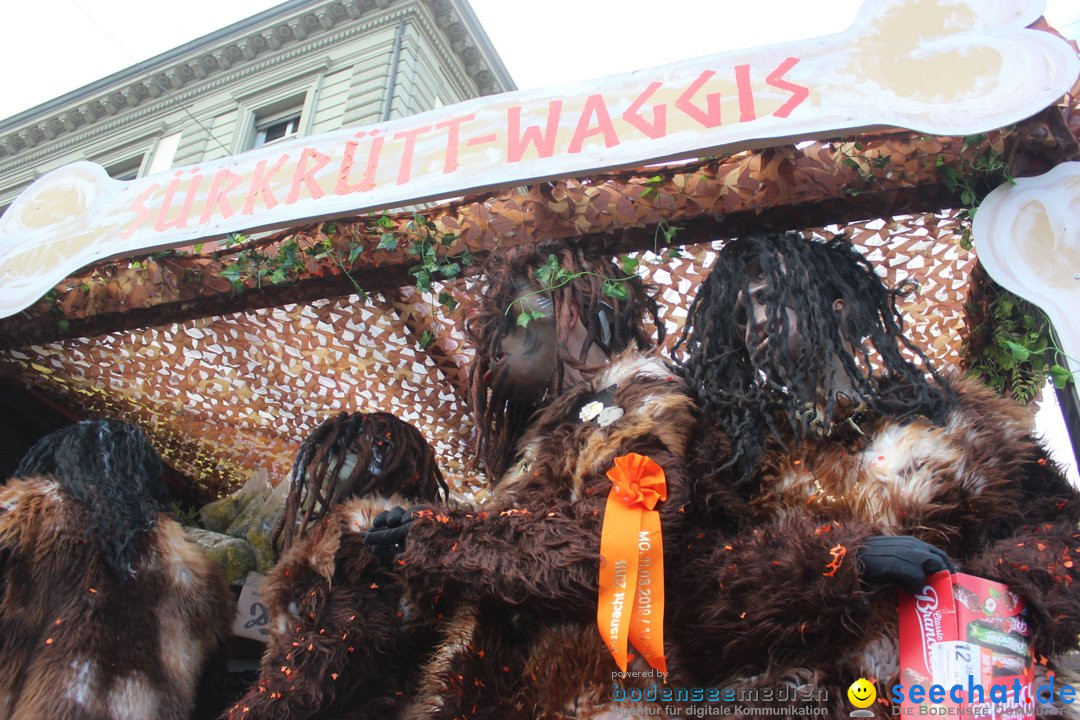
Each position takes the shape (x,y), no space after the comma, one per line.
(1011,346)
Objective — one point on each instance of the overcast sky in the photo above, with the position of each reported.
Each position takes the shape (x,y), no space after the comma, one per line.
(52,47)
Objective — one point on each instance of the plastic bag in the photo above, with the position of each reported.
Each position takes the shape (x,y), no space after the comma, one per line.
(260,532)
(221,513)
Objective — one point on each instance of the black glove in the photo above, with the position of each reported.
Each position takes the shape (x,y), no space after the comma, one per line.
(900,560)
(388,534)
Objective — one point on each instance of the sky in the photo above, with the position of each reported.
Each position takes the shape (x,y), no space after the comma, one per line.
(65,44)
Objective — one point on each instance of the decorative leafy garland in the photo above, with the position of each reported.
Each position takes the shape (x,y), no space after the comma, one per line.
(1010,344)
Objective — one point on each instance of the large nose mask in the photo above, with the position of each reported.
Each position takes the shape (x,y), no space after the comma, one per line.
(525,361)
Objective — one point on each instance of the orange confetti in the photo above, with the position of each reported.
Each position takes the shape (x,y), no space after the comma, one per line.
(49,641)
(373,586)
(839,552)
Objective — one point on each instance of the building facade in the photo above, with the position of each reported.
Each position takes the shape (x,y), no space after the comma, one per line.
(300,68)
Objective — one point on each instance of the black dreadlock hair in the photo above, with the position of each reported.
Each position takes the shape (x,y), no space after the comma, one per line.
(352,455)
(109,467)
(612,324)
(749,392)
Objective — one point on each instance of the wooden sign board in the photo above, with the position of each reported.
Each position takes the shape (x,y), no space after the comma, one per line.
(943,67)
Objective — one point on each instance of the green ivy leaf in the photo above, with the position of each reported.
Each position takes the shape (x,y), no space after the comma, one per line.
(450,270)
(1019,352)
(1061,376)
(466,259)
(355,249)
(232,272)
(673,253)
(387,242)
(547,273)
(197,248)
(385,221)
(447,300)
(426,339)
(329,228)
(527,316)
(616,289)
(423,278)
(629,264)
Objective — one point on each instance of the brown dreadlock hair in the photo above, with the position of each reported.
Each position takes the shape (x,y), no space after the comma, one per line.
(755,396)
(355,454)
(500,420)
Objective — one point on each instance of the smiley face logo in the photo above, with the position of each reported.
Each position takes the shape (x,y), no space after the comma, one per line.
(862,693)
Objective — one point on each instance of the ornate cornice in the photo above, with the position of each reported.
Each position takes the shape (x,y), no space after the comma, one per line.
(248,47)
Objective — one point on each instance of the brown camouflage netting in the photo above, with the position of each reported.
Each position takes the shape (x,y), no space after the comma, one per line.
(225,396)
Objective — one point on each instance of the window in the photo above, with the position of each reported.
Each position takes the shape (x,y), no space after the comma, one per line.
(126,170)
(276,127)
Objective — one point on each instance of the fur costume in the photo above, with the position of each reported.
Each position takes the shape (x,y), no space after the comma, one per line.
(343,643)
(327,590)
(77,640)
(519,580)
(771,596)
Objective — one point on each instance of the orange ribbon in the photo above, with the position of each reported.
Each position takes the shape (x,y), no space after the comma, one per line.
(631,606)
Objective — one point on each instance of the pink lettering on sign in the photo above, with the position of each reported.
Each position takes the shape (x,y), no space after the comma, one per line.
(710,117)
(517,142)
(409,136)
(224,182)
(453,139)
(367,181)
(658,127)
(588,126)
(305,176)
(798,92)
(260,186)
(162,222)
(142,213)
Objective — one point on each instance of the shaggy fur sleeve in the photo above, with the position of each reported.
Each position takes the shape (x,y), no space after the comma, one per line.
(338,633)
(545,553)
(787,591)
(1041,559)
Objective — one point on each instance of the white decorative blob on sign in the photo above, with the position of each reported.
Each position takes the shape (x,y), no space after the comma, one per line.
(1028,238)
(944,67)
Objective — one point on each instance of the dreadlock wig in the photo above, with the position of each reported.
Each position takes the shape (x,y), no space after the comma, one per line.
(752,390)
(352,455)
(109,467)
(340,638)
(107,609)
(566,286)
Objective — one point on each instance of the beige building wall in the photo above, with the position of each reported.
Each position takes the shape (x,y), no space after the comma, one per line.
(331,61)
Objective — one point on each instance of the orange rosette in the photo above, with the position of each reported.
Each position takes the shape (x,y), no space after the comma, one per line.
(631,602)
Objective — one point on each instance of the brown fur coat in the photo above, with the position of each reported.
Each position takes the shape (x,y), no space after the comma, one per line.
(758,608)
(343,641)
(518,580)
(75,641)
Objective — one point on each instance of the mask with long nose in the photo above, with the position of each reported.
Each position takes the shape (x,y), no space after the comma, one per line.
(525,358)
